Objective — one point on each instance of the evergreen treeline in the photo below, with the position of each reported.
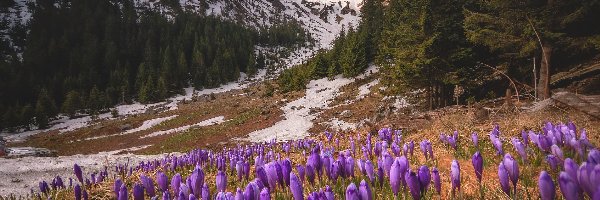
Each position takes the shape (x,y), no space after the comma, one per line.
(88,55)
(437,45)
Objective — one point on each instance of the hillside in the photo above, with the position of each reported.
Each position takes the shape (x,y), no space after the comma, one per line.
(299,99)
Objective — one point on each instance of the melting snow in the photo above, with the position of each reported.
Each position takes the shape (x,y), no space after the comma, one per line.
(19,176)
(335,123)
(365,89)
(208,122)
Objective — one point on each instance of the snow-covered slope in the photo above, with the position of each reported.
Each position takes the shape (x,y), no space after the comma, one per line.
(324,19)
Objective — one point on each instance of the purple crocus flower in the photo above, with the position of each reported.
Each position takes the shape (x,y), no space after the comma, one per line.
(414,184)
(352,192)
(166,196)
(197,180)
(221,181)
(192,197)
(84,195)
(520,148)
(296,187)
(395,177)
(475,139)
(163,181)
(477,161)
(512,168)
(552,161)
(437,183)
(497,144)
(148,184)
(301,171)
(122,193)
(571,168)
(370,171)
(587,176)
(568,187)
(525,137)
(117,186)
(387,162)
(78,172)
(556,151)
(329,193)
(78,192)
(546,186)
(380,175)
(286,167)
(364,191)
(206,192)
(503,178)
(594,157)
(252,191)
(424,178)
(264,194)
(310,174)
(138,192)
(455,175)
(261,174)
(239,195)
(176,183)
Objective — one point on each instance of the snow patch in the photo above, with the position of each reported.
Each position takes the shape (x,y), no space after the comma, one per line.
(208,122)
(365,89)
(150,123)
(338,124)
(22,175)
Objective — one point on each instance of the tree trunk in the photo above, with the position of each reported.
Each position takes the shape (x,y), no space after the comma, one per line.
(544,81)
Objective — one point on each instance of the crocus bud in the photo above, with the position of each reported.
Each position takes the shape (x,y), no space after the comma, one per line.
(239,195)
(296,187)
(477,161)
(475,139)
(413,183)
(568,187)
(512,168)
(455,175)
(264,194)
(437,183)
(138,192)
(546,186)
(424,178)
(123,193)
(78,173)
(352,192)
(504,179)
(395,177)
(329,193)
(77,192)
(206,192)
(221,181)
(176,183)
(364,191)
(163,181)
(117,186)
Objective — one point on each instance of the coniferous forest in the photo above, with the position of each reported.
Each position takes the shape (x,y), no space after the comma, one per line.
(435,46)
(89,55)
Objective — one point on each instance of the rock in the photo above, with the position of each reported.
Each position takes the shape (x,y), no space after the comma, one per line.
(3,150)
(125,127)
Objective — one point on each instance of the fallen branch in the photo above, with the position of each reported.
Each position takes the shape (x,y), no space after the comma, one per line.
(509,79)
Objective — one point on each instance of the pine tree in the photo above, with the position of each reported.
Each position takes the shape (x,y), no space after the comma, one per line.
(44,109)
(72,103)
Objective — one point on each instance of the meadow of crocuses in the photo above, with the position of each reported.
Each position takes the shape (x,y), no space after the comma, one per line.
(355,166)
